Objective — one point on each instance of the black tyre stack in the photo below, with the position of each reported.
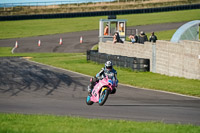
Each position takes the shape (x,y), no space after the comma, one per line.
(136,64)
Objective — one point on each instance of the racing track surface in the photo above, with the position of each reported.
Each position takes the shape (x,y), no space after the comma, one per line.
(71,41)
(31,88)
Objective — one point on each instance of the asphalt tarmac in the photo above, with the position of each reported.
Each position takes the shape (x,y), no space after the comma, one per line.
(71,41)
(31,88)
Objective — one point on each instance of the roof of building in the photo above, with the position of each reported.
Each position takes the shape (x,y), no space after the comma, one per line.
(188,31)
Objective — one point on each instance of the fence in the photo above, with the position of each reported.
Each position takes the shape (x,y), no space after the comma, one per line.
(136,64)
(72,2)
(100,13)
(47,3)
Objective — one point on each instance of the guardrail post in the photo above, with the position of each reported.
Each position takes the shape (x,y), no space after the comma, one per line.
(153,57)
(136,32)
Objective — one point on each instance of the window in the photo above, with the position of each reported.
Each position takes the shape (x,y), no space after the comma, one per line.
(121,28)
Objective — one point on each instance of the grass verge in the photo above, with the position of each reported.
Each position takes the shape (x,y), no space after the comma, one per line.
(18,123)
(27,28)
(78,63)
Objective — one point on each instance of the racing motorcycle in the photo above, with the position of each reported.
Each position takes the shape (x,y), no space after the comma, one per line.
(101,91)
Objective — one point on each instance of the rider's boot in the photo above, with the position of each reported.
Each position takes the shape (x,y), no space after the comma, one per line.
(92,84)
(90,90)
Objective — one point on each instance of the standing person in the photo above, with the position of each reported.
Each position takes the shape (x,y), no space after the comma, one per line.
(153,37)
(142,38)
(106,31)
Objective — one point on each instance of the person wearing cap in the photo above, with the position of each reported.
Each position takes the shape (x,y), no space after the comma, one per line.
(153,37)
(142,37)
(108,71)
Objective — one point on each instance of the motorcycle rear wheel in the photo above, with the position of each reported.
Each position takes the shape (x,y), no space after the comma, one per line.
(103,97)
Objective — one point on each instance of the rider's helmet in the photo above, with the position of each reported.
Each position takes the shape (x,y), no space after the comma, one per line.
(108,65)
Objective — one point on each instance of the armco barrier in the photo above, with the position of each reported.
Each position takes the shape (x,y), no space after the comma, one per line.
(136,64)
(100,13)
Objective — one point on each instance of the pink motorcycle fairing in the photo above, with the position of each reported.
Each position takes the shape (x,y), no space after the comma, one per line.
(102,84)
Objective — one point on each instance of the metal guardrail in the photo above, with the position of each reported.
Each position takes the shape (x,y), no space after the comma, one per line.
(100,13)
(136,64)
(60,2)
(46,3)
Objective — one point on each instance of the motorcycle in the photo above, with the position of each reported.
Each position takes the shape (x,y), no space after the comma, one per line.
(101,91)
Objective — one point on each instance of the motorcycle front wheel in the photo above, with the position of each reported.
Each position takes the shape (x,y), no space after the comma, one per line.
(103,96)
(88,101)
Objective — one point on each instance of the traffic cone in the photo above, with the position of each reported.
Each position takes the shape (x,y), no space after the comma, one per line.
(81,39)
(60,41)
(39,43)
(16,44)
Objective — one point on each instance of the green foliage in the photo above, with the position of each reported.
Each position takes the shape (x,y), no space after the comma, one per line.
(27,28)
(18,123)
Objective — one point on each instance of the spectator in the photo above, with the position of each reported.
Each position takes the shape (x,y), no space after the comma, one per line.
(153,37)
(142,37)
(133,38)
(116,38)
(106,31)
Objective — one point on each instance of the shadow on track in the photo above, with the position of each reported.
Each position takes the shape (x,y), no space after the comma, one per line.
(17,75)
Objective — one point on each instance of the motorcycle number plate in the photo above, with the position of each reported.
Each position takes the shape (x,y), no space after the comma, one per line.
(94,93)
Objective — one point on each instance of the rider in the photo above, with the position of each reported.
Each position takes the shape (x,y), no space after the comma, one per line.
(109,71)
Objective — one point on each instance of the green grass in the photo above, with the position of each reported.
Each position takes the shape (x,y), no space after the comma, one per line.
(95,47)
(18,123)
(164,35)
(77,62)
(27,28)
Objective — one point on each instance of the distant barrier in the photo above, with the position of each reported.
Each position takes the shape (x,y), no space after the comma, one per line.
(101,13)
(47,3)
(136,64)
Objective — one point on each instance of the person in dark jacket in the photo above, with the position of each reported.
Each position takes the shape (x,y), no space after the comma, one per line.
(116,38)
(142,37)
(153,37)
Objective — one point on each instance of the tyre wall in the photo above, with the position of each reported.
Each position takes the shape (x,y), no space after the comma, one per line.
(136,64)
